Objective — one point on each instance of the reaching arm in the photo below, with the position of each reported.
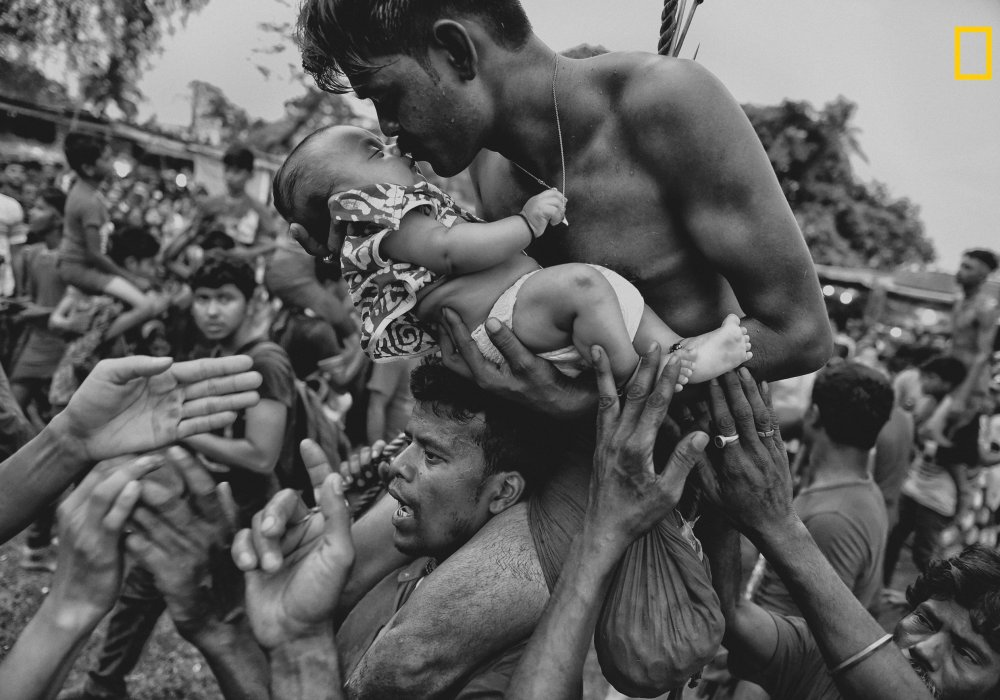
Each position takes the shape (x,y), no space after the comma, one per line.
(752,484)
(698,143)
(470,247)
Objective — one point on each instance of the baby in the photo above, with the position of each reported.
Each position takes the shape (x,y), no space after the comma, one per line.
(410,251)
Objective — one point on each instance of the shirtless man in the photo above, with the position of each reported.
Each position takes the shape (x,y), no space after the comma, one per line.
(667,184)
(974,317)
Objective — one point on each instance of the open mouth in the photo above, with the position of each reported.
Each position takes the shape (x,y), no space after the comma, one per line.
(404,510)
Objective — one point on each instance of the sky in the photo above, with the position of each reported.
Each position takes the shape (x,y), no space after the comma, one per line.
(927,136)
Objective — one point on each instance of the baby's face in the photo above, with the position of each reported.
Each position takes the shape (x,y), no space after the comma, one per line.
(362,158)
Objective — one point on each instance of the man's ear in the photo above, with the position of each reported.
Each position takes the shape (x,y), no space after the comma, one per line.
(507,492)
(455,40)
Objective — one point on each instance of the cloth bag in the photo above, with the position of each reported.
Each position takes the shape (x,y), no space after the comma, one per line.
(661,622)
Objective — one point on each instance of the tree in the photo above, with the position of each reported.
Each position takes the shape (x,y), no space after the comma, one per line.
(105,43)
(845,221)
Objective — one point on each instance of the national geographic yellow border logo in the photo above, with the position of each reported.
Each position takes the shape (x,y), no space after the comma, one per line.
(988,74)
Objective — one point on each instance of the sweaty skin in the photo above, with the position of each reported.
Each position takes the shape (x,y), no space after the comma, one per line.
(668,185)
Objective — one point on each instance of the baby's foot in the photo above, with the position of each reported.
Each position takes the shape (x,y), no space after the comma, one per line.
(719,351)
(687,367)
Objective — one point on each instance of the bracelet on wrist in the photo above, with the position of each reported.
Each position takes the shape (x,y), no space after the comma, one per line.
(531,229)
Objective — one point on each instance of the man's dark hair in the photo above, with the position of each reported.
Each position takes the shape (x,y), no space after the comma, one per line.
(512,438)
(950,369)
(239,157)
(297,196)
(220,269)
(55,198)
(854,403)
(214,239)
(972,579)
(132,242)
(987,257)
(83,149)
(339,38)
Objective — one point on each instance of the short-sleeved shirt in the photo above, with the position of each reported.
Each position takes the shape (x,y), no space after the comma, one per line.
(85,208)
(250,490)
(42,349)
(893,456)
(385,291)
(849,523)
(797,670)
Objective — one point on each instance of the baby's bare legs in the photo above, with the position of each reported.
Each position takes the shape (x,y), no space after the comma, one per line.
(574,304)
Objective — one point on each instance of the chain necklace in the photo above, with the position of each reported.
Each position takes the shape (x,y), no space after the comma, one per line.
(562,152)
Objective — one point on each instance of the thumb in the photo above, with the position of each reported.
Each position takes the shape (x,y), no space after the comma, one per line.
(684,458)
(125,369)
(316,462)
(336,515)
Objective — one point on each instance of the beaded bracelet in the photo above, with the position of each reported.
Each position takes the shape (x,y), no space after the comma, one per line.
(861,655)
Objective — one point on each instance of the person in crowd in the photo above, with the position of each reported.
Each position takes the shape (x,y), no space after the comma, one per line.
(234,212)
(936,489)
(841,507)
(410,239)
(83,260)
(976,313)
(892,458)
(124,406)
(248,455)
(945,647)
(40,348)
(727,242)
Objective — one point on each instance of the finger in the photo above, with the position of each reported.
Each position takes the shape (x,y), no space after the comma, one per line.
(205,424)
(221,386)
(194,371)
(244,554)
(122,507)
(778,443)
(228,503)
(467,348)
(124,369)
(709,481)
(336,517)
(200,485)
(688,453)
(449,354)
(212,405)
(639,387)
(607,404)
(655,410)
(517,356)
(718,409)
(270,524)
(106,492)
(739,408)
(166,531)
(761,414)
(316,462)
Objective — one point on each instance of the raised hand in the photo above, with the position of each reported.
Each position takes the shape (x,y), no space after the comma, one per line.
(296,561)
(139,404)
(545,208)
(524,377)
(627,494)
(181,533)
(91,520)
(749,477)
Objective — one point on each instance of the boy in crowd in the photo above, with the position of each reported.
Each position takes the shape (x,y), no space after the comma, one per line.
(83,260)
(248,454)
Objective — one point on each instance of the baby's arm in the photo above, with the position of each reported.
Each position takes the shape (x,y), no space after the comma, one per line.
(470,247)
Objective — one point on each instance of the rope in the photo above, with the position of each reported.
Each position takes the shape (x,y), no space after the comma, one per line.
(668,27)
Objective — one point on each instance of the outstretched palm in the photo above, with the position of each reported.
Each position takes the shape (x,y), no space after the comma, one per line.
(138,404)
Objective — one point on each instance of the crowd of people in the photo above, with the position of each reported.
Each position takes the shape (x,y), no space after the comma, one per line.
(353,453)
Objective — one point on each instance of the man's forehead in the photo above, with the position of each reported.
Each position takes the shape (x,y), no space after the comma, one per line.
(959,621)
(428,425)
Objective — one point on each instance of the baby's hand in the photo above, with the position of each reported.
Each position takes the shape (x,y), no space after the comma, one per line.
(543,209)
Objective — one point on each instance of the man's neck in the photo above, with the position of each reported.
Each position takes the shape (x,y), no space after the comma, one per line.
(971,290)
(832,463)
(245,335)
(525,128)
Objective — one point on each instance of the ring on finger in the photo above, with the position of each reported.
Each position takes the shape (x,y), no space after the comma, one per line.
(721,441)
(766,433)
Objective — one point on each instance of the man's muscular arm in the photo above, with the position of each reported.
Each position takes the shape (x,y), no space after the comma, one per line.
(692,136)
